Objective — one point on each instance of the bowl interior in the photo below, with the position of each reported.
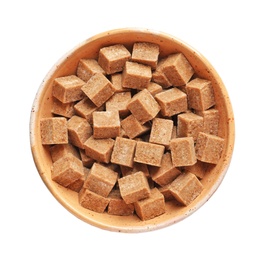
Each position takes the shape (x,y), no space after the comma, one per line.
(67,66)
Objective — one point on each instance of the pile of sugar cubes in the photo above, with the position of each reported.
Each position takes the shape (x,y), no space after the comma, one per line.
(130,131)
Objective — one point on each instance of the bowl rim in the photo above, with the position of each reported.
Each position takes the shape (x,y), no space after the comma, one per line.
(133,229)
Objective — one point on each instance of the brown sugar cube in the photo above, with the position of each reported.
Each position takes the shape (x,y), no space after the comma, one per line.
(86,160)
(134,187)
(182,151)
(154,88)
(68,89)
(189,125)
(161,131)
(174,132)
(79,130)
(62,109)
(119,102)
(113,58)
(99,149)
(123,151)
(152,206)
(146,53)
(200,94)
(211,121)
(143,106)
(123,133)
(54,130)
(137,167)
(136,75)
(78,184)
(166,173)
(209,148)
(98,89)
(85,108)
(177,69)
(92,201)
(117,205)
(100,179)
(172,101)
(159,77)
(149,153)
(200,169)
(106,124)
(186,188)
(173,135)
(116,80)
(133,127)
(166,192)
(67,170)
(57,151)
(87,68)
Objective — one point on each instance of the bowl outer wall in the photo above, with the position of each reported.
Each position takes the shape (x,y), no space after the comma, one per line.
(89,49)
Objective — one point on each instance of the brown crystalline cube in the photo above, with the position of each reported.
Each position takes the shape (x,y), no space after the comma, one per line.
(166,173)
(209,148)
(100,179)
(79,130)
(92,201)
(166,192)
(149,153)
(143,106)
(99,149)
(59,150)
(68,89)
(87,68)
(98,89)
(85,108)
(154,88)
(134,187)
(136,76)
(161,131)
(119,102)
(200,169)
(186,188)
(117,205)
(200,94)
(123,151)
(137,167)
(173,135)
(54,130)
(177,69)
(106,124)
(189,125)
(78,184)
(172,101)
(67,170)
(182,151)
(146,53)
(116,80)
(211,121)
(159,77)
(133,127)
(113,58)
(152,206)
(62,109)
(140,167)
(174,132)
(86,160)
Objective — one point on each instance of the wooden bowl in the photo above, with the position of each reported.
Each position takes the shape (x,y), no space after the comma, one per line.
(89,49)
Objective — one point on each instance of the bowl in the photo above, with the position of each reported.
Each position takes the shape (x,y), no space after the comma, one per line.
(89,49)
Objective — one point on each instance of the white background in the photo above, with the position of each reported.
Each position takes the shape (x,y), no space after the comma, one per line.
(235,36)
